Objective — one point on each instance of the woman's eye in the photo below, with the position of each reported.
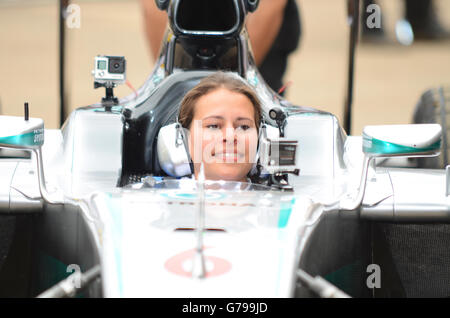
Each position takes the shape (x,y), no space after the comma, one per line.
(244,127)
(213,126)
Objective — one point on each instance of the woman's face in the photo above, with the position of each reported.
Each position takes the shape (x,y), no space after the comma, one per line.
(223,135)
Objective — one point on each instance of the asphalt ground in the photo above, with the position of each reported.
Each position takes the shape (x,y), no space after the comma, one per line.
(389,77)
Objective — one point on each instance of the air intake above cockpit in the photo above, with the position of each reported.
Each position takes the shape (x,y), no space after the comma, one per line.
(207,18)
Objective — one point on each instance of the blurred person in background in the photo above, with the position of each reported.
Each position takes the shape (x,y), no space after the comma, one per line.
(422,16)
(274,30)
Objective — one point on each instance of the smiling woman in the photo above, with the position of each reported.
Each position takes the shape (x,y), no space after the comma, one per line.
(222,114)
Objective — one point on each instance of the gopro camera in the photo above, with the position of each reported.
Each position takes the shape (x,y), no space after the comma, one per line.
(278,155)
(110,70)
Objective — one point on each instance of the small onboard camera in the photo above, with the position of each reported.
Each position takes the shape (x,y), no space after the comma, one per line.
(109,72)
(278,158)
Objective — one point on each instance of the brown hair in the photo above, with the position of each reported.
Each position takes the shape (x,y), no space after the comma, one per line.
(212,83)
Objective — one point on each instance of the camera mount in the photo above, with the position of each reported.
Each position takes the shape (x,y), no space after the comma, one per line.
(278,158)
(109,72)
(109,100)
(280,118)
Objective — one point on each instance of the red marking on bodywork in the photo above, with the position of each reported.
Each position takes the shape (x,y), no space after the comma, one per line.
(175,264)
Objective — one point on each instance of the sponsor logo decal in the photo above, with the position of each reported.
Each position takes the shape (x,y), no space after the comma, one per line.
(181,264)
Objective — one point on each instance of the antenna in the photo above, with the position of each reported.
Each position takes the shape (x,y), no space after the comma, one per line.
(198,264)
(27,111)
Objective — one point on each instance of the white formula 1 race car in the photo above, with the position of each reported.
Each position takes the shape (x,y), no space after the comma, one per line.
(106,199)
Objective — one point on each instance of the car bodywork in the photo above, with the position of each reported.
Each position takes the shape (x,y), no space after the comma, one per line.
(104,208)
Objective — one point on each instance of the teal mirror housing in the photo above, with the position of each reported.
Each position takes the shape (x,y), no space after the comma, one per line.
(402,140)
(16,132)
(418,140)
(19,133)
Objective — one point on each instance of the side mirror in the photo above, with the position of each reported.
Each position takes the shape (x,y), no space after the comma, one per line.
(18,133)
(418,140)
(415,140)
